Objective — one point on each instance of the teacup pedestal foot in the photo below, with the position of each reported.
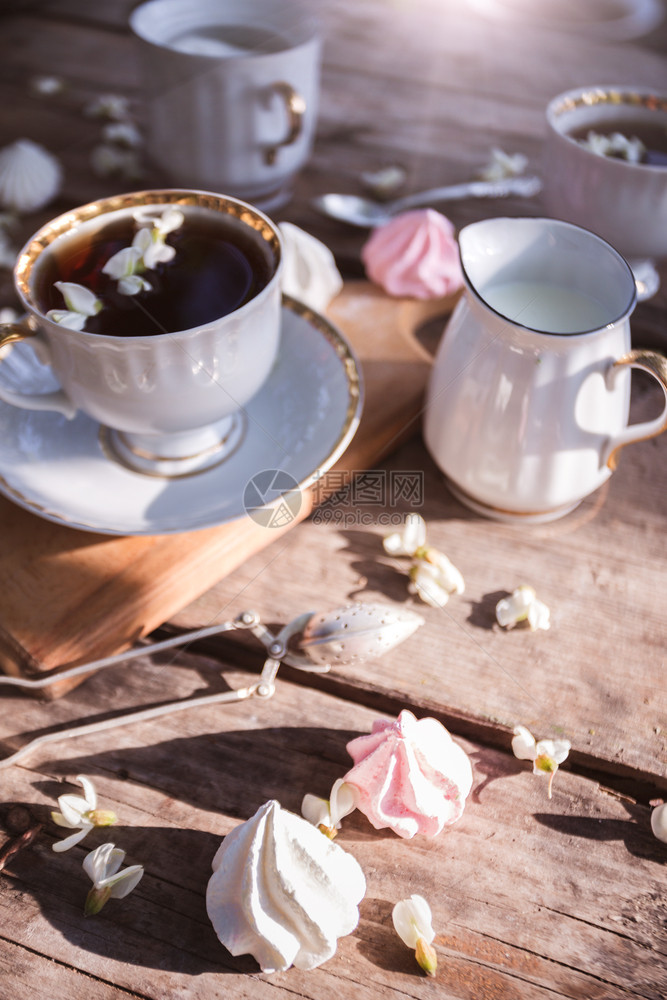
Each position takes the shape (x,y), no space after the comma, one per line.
(508,516)
(173,456)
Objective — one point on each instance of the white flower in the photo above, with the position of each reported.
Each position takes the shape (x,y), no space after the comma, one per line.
(81,303)
(163,221)
(503,165)
(546,755)
(385,181)
(434,578)
(406,542)
(151,241)
(124,133)
(46,85)
(328,813)
(124,266)
(523,744)
(659,821)
(107,159)
(616,145)
(80,814)
(412,922)
(523,605)
(102,867)
(111,106)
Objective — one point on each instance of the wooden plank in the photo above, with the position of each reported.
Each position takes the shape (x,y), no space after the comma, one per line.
(532,898)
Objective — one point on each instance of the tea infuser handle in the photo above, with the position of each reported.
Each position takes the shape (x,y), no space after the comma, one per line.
(12,333)
(654,364)
(295,106)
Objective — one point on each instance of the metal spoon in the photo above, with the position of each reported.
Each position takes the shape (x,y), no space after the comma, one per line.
(367,214)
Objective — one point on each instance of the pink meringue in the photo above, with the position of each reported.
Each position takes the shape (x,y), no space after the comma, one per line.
(410,776)
(414,255)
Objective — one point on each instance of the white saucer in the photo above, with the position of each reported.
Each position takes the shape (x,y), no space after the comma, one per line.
(298,425)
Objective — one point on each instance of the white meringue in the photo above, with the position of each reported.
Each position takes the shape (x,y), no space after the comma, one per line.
(283,892)
(30,176)
(309,268)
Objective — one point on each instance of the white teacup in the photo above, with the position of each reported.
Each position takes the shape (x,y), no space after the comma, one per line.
(232,91)
(528,401)
(622,201)
(170,401)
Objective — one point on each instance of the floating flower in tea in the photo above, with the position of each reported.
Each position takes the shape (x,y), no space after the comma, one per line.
(81,303)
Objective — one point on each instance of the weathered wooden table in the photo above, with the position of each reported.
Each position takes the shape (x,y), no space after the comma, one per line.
(532,897)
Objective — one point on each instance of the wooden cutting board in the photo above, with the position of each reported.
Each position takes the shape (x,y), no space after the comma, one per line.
(70,596)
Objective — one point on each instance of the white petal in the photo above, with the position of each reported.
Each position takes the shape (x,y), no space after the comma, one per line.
(103,862)
(523,744)
(142,240)
(73,809)
(659,822)
(406,542)
(414,532)
(71,320)
(123,263)
(158,253)
(448,575)
(511,610)
(171,218)
(124,882)
(78,299)
(412,920)
(393,544)
(556,749)
(124,133)
(538,616)
(133,284)
(74,838)
(316,810)
(60,820)
(342,802)
(424,582)
(89,792)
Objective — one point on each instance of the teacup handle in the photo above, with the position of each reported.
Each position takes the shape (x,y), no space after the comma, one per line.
(656,365)
(295,106)
(11,333)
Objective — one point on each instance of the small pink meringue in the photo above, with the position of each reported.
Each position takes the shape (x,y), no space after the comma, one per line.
(410,776)
(414,255)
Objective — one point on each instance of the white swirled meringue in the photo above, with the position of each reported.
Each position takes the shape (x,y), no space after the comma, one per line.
(409,775)
(30,176)
(282,891)
(309,269)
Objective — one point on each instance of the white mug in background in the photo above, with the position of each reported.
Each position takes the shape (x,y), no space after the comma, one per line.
(623,202)
(528,401)
(232,90)
(169,400)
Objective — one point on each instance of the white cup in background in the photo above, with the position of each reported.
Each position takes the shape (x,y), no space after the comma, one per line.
(232,92)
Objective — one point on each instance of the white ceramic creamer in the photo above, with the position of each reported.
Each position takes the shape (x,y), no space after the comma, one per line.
(528,401)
